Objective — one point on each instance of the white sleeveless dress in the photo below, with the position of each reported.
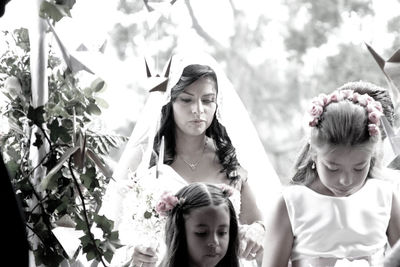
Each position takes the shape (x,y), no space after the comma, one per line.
(131,229)
(328,229)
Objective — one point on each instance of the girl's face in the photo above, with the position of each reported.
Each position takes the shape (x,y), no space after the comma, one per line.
(207,235)
(195,107)
(342,171)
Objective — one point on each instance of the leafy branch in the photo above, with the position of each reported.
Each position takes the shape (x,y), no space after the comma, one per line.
(73,187)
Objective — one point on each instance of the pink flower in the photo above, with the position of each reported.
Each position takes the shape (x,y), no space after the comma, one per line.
(167,202)
(378,106)
(355,97)
(226,189)
(313,122)
(369,99)
(370,107)
(374,117)
(373,129)
(348,94)
(324,99)
(335,97)
(317,101)
(316,110)
(363,100)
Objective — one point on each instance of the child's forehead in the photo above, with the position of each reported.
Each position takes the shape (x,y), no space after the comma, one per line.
(207,214)
(333,149)
(337,154)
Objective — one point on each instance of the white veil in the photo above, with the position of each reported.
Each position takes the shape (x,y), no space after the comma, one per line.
(231,113)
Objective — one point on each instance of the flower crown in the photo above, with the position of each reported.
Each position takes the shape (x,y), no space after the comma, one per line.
(374,108)
(169,201)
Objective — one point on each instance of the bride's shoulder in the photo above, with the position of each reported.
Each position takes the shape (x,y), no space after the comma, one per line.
(242,173)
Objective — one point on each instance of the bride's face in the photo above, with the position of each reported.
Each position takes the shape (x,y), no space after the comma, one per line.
(195,107)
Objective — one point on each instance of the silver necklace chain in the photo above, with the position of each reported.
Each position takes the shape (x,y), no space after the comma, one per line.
(194,165)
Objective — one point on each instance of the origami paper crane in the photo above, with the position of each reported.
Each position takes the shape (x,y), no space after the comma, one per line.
(73,64)
(391,70)
(82,47)
(157,82)
(394,139)
(149,6)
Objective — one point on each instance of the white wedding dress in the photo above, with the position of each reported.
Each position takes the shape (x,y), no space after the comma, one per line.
(119,203)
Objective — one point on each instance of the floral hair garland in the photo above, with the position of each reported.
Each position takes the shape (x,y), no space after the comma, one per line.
(374,108)
(168,201)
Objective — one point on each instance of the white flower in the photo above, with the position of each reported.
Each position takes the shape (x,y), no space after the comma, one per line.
(13,86)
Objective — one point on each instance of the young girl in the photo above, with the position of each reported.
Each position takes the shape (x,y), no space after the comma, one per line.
(201,228)
(337,210)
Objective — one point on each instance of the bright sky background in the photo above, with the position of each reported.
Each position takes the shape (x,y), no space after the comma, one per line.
(92,20)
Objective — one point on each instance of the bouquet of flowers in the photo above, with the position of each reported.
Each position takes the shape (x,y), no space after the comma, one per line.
(139,223)
(140,206)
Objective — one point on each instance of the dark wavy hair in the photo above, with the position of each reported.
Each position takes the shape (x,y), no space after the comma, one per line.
(225,151)
(197,195)
(341,124)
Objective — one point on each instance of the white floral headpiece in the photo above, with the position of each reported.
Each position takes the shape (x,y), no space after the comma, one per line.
(374,108)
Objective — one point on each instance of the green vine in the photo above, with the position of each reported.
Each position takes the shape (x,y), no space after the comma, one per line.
(71,193)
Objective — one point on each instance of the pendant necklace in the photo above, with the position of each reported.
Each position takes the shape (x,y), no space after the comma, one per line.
(194,165)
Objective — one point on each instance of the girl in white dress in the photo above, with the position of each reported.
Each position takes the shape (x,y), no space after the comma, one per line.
(207,133)
(338,211)
(201,227)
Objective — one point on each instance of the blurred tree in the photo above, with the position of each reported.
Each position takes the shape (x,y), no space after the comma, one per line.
(341,68)
(311,22)
(393,27)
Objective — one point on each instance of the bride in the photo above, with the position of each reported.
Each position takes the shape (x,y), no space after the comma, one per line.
(202,134)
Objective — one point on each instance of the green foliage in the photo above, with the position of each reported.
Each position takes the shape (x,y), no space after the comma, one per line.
(76,173)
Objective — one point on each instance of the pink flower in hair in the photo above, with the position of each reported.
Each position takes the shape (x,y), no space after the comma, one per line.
(316,110)
(369,99)
(371,107)
(324,98)
(378,106)
(319,101)
(348,94)
(313,122)
(226,189)
(374,116)
(373,129)
(355,97)
(363,100)
(335,97)
(166,203)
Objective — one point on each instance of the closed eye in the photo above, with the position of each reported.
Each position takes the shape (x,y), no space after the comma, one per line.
(359,170)
(185,100)
(208,101)
(331,169)
(200,233)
